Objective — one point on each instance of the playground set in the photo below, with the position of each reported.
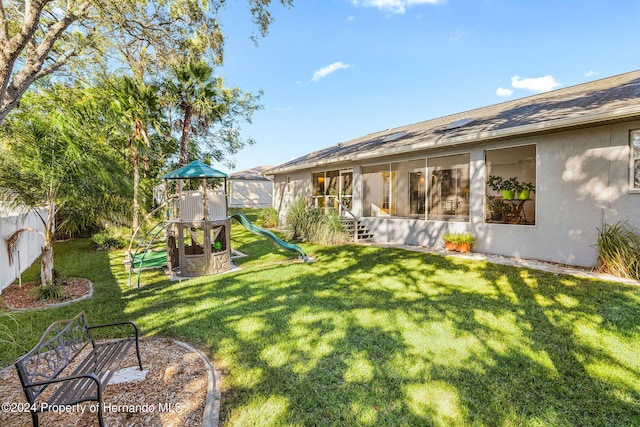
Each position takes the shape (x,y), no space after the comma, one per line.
(197,229)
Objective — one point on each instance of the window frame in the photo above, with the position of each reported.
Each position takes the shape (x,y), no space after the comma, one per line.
(633,159)
(464,194)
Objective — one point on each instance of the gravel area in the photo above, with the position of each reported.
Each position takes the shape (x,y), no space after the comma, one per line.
(172,393)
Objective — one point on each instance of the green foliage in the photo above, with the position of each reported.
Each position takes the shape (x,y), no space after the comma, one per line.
(459,238)
(619,250)
(496,205)
(207,112)
(268,217)
(106,240)
(314,224)
(498,183)
(78,37)
(55,154)
(325,228)
(8,337)
(297,218)
(52,291)
(495,182)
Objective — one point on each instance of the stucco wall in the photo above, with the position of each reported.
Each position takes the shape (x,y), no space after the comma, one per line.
(29,247)
(582,182)
(250,193)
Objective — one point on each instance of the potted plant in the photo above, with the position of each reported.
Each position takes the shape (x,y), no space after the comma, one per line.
(495,182)
(509,188)
(496,208)
(450,241)
(525,189)
(465,242)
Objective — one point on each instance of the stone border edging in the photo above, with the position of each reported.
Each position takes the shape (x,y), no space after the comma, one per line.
(211,416)
(55,305)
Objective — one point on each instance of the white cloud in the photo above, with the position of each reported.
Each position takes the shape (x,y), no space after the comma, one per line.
(591,73)
(332,68)
(504,92)
(539,84)
(395,6)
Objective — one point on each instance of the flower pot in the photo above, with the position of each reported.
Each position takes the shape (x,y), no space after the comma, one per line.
(450,246)
(464,247)
(496,216)
(524,194)
(507,194)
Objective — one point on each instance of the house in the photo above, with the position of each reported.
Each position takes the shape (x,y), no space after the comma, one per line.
(579,146)
(29,246)
(250,188)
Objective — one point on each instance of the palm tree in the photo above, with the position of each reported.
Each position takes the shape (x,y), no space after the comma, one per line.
(49,163)
(203,101)
(137,107)
(194,94)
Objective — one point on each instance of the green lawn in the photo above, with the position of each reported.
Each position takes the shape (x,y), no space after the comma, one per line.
(372,336)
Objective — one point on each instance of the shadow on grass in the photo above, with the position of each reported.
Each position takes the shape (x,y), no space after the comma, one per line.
(370,336)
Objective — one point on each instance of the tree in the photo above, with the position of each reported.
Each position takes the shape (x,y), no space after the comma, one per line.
(50,160)
(207,109)
(136,108)
(42,37)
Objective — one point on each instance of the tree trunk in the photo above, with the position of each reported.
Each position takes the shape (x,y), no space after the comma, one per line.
(46,262)
(136,189)
(184,139)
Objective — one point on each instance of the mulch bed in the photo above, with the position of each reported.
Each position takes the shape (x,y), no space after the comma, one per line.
(173,393)
(16,296)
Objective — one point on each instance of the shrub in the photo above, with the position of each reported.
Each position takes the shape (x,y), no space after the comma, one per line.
(619,250)
(326,229)
(52,291)
(106,241)
(297,218)
(314,224)
(268,217)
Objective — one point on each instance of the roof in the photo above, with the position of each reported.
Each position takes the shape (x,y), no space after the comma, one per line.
(253,174)
(195,169)
(601,101)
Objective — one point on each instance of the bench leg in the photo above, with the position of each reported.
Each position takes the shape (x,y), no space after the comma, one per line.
(100,420)
(138,354)
(34,418)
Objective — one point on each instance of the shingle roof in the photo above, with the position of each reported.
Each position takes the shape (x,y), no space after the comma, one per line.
(253,174)
(601,101)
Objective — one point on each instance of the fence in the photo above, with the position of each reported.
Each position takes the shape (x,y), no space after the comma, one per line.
(29,247)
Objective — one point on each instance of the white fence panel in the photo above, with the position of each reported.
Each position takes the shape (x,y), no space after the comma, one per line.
(29,247)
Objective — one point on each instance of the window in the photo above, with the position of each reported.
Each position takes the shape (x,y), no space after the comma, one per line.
(331,186)
(417,193)
(510,171)
(288,184)
(448,188)
(635,160)
(395,189)
(318,189)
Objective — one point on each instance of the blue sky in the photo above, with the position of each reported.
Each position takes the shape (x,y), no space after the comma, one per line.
(334,70)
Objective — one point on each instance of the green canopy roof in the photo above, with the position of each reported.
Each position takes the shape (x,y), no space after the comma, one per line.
(195,169)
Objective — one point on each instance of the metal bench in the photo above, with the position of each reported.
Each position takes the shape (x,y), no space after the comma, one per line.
(60,344)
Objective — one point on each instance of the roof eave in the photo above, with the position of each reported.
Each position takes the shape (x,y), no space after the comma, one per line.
(566,123)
